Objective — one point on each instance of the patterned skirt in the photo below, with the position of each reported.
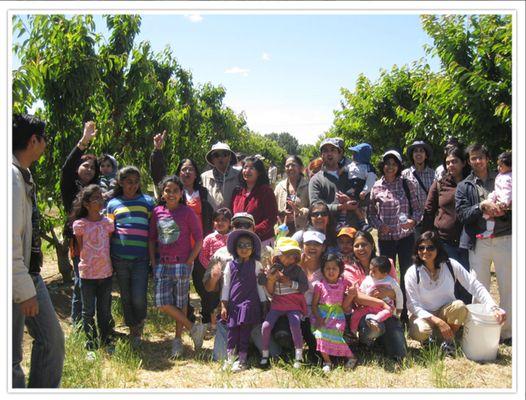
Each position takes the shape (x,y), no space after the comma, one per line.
(329,337)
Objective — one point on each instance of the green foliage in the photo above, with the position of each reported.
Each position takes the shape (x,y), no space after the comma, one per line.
(286,141)
(131,93)
(470,97)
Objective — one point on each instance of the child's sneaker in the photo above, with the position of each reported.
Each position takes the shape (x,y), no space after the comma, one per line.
(177,348)
(238,366)
(197,333)
(297,364)
(326,368)
(351,363)
(264,362)
(90,356)
(448,348)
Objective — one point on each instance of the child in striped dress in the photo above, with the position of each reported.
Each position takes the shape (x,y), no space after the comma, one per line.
(329,303)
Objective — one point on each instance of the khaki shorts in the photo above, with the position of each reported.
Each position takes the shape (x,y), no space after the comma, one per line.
(454,313)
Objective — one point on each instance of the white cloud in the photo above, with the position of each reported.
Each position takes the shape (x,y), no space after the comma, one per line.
(237,70)
(265,56)
(194,17)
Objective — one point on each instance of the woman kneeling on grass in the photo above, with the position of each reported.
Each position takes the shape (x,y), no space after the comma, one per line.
(430,287)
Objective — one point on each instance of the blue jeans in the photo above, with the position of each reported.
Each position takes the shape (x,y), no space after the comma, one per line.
(47,354)
(403,248)
(76,302)
(392,339)
(462,256)
(95,294)
(132,276)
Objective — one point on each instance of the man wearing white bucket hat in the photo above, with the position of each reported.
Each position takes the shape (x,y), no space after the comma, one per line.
(222,179)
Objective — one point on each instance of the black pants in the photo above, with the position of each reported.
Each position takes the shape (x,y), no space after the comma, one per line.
(209,300)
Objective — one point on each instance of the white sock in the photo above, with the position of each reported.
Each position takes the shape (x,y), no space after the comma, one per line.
(299,354)
(264,353)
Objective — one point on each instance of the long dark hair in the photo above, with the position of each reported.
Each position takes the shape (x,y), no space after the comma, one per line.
(456,151)
(197,182)
(165,181)
(123,174)
(433,237)
(83,159)
(78,210)
(330,231)
(261,170)
(367,236)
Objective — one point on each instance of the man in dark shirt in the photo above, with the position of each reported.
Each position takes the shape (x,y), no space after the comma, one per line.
(471,203)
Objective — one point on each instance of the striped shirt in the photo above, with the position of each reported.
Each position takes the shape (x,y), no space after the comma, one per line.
(427,176)
(388,200)
(131,219)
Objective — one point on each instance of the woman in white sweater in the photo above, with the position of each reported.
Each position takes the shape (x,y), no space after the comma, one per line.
(430,290)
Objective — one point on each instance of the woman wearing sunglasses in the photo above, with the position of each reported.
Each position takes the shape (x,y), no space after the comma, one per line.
(434,312)
(320,219)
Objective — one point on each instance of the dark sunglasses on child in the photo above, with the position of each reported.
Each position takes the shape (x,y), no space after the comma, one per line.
(319,214)
(244,245)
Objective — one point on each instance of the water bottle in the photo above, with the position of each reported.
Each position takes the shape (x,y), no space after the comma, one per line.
(283,230)
(402,218)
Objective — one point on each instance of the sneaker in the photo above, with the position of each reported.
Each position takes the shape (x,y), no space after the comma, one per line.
(177,348)
(238,366)
(351,363)
(227,365)
(90,356)
(197,333)
(326,368)
(264,362)
(448,348)
(297,364)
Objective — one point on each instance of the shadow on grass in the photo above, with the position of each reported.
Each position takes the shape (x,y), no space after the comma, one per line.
(155,356)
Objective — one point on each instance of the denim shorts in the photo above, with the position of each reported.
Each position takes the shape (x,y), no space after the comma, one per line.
(171,284)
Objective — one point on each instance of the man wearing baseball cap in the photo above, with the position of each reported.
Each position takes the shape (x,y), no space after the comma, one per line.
(331,183)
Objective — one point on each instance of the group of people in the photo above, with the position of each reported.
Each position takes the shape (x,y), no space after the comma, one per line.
(275,266)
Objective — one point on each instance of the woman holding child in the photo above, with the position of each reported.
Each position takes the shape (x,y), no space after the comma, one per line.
(391,336)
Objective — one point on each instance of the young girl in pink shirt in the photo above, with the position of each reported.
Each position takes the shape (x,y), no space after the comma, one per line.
(92,232)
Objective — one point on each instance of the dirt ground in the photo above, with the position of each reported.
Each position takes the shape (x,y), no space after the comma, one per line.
(158,371)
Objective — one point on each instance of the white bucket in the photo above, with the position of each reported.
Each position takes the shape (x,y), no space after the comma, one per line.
(480,340)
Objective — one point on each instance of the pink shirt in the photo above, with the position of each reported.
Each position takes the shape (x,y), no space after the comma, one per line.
(211,244)
(95,261)
(173,230)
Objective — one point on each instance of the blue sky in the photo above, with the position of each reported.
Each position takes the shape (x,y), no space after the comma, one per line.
(285,71)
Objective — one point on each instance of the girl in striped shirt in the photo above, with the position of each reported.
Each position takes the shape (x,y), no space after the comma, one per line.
(130,211)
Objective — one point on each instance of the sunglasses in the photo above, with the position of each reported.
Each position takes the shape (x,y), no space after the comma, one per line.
(218,154)
(244,245)
(426,248)
(320,214)
(242,225)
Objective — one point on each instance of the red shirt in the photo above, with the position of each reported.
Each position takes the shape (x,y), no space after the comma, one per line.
(261,203)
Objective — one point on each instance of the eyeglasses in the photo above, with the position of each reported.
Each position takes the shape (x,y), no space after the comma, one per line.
(218,154)
(426,248)
(242,225)
(319,214)
(244,245)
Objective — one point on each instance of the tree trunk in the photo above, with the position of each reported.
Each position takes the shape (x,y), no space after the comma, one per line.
(62,251)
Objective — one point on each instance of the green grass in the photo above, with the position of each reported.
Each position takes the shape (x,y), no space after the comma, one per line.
(118,370)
